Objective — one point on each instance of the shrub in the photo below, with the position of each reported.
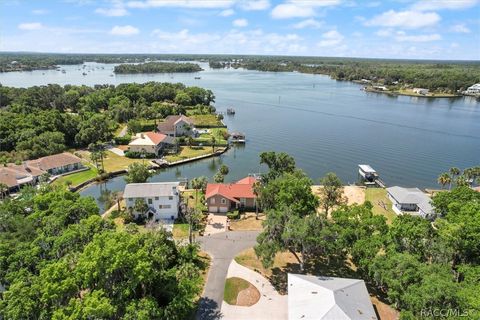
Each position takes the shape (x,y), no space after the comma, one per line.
(123,140)
(233,215)
(138,155)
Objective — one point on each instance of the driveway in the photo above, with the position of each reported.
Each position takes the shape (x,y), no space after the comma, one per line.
(216,224)
(271,303)
(222,247)
(117,151)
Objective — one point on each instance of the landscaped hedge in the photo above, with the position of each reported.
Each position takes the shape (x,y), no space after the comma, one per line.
(123,140)
(233,215)
(138,155)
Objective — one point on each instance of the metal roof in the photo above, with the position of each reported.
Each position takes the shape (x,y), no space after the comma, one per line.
(152,189)
(411,196)
(366,168)
(328,298)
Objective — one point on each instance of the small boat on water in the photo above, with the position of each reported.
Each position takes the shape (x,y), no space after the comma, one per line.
(198,78)
(84,74)
(230,111)
(237,137)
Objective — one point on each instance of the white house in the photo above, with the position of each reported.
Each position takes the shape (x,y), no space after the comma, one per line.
(150,142)
(420,91)
(176,126)
(328,298)
(475,89)
(161,198)
(411,201)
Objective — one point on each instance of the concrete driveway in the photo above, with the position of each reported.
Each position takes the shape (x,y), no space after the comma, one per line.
(271,303)
(215,224)
(222,247)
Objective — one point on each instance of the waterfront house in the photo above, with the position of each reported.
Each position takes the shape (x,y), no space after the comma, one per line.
(322,298)
(57,164)
(28,173)
(410,201)
(162,199)
(224,197)
(473,90)
(176,126)
(150,142)
(420,91)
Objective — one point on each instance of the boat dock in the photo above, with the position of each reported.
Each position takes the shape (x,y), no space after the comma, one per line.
(369,177)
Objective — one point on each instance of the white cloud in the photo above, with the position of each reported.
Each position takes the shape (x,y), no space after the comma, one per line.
(240,23)
(209,4)
(39,12)
(426,5)
(227,13)
(112,12)
(331,38)
(309,23)
(30,26)
(300,8)
(460,28)
(289,10)
(384,32)
(126,30)
(404,19)
(251,5)
(403,37)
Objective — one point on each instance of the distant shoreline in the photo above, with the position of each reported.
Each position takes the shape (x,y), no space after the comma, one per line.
(412,94)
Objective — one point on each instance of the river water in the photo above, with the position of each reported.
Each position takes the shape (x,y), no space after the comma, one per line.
(326,125)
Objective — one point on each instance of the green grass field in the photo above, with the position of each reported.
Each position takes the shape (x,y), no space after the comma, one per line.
(232,287)
(188,152)
(180,231)
(78,177)
(205,120)
(381,204)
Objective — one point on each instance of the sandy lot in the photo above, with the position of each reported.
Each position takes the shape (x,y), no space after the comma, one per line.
(354,194)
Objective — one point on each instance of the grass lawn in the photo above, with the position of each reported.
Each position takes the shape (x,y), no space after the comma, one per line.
(381,204)
(77,177)
(189,196)
(247,223)
(180,231)
(409,92)
(114,162)
(233,286)
(218,133)
(205,120)
(188,152)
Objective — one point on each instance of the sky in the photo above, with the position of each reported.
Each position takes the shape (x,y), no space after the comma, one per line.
(397,29)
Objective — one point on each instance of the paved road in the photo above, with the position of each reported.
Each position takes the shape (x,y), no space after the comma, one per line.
(222,247)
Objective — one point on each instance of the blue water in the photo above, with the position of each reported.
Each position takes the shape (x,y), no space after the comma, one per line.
(326,125)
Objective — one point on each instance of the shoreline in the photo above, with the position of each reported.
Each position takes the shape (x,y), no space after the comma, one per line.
(416,95)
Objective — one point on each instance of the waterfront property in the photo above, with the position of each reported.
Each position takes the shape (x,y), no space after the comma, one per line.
(473,90)
(410,201)
(223,197)
(422,91)
(238,137)
(16,176)
(176,126)
(314,297)
(155,200)
(150,143)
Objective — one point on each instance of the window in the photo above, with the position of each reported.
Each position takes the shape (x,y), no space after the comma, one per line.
(150,201)
(156,198)
(164,206)
(212,201)
(170,198)
(223,201)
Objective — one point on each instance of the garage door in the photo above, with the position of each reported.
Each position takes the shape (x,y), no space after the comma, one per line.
(213,209)
(223,209)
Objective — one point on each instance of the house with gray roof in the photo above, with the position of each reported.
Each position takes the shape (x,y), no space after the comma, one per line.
(410,201)
(328,298)
(176,126)
(162,199)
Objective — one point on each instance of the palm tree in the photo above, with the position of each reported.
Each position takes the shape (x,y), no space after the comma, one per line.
(454,171)
(461,181)
(213,141)
(190,141)
(256,191)
(444,179)
(3,190)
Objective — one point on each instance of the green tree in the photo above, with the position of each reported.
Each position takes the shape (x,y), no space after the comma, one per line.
(278,163)
(137,173)
(183,99)
(331,193)
(213,142)
(224,169)
(444,179)
(218,177)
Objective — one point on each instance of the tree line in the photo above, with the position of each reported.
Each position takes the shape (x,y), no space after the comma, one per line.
(44,120)
(60,260)
(157,67)
(419,266)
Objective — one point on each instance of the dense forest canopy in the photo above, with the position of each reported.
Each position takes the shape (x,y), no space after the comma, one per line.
(157,67)
(441,76)
(44,120)
(60,260)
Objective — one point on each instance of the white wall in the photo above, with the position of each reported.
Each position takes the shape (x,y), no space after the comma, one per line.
(160,213)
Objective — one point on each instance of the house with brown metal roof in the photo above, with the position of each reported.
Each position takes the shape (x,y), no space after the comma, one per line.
(150,142)
(223,197)
(176,126)
(58,163)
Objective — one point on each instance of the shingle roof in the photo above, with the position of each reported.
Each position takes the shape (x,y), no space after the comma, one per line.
(232,191)
(152,189)
(169,122)
(54,161)
(411,196)
(328,298)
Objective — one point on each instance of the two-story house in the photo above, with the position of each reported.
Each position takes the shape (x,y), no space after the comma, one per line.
(176,126)
(162,199)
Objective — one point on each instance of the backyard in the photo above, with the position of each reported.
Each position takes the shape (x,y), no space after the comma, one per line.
(78,177)
(205,120)
(381,204)
(188,152)
(218,133)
